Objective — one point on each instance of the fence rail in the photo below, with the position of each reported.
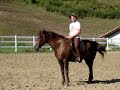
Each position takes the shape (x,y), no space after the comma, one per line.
(29,42)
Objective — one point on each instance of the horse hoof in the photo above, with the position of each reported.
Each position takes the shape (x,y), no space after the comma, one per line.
(63,83)
(66,85)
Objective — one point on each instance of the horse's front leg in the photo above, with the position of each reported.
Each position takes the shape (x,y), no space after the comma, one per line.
(62,70)
(66,68)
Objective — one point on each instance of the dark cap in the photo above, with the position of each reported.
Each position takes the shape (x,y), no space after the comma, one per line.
(73,14)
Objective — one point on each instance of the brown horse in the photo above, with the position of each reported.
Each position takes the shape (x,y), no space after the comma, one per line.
(64,52)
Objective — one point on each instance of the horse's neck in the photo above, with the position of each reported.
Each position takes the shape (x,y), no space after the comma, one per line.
(55,40)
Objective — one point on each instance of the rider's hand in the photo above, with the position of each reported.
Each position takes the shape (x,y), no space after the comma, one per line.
(69,37)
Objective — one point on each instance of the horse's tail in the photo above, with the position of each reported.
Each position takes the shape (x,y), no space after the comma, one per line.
(101,49)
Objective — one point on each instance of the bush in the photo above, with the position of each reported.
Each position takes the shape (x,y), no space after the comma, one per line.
(54,6)
(100,14)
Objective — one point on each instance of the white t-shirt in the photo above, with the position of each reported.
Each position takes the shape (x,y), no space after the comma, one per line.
(73,27)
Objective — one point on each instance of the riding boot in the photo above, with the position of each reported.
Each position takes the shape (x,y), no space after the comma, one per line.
(78,54)
(77,49)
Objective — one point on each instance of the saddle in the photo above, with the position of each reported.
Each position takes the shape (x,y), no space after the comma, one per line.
(82,46)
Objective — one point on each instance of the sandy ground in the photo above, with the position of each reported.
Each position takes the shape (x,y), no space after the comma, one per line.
(40,71)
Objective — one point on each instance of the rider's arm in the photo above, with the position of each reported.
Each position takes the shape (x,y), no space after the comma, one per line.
(74,34)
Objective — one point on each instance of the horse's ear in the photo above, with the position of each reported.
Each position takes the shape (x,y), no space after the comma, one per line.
(44,34)
(44,31)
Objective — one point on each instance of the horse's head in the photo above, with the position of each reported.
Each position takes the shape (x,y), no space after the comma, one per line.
(41,39)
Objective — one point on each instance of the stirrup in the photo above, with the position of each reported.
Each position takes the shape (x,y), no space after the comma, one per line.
(77,59)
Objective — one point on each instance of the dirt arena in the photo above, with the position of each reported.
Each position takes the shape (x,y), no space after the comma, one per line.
(40,71)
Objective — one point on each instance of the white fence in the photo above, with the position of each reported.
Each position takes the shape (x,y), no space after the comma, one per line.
(29,42)
(17,42)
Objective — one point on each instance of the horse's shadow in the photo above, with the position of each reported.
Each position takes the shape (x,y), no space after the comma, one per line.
(107,81)
(101,81)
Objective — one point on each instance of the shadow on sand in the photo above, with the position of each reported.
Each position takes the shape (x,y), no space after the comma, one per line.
(107,81)
(100,81)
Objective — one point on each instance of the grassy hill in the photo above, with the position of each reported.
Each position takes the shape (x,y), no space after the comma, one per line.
(84,8)
(26,19)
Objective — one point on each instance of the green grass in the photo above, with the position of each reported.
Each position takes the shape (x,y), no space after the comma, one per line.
(23,50)
(5,50)
(115,49)
(12,50)
(22,19)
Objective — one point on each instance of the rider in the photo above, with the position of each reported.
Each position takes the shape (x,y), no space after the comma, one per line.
(74,33)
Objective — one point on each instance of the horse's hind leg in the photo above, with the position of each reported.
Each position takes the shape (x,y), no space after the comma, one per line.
(62,70)
(90,73)
(89,62)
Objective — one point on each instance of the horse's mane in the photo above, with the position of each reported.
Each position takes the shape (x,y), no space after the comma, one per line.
(54,35)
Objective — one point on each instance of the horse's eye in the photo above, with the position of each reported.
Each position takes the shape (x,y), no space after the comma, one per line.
(39,38)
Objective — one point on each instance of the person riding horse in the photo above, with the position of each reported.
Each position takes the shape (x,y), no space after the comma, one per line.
(74,34)
(64,53)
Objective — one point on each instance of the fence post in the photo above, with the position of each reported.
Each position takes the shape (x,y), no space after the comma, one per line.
(15,43)
(107,44)
(33,41)
(93,38)
(50,49)
(2,40)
